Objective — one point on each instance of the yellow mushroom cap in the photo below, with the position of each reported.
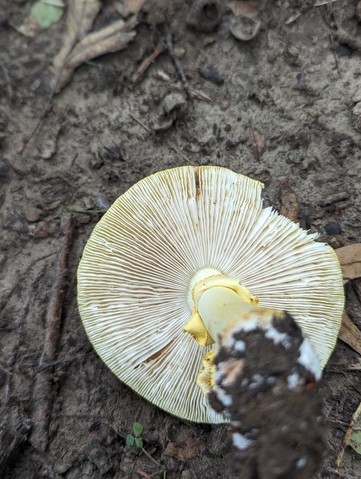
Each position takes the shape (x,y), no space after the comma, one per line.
(134,277)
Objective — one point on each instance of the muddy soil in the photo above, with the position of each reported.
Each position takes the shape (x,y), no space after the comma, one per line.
(286,103)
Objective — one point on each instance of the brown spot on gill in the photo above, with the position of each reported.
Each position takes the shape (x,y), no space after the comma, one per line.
(158,353)
(196,181)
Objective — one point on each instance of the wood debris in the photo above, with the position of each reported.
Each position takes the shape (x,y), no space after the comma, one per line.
(80,46)
(350,334)
(348,434)
(289,201)
(42,395)
(257,142)
(350,261)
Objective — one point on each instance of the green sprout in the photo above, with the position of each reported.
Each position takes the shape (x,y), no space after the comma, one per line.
(136,440)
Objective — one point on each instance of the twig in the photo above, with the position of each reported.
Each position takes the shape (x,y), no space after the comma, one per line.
(146,63)
(42,389)
(178,65)
(347,436)
(182,155)
(141,123)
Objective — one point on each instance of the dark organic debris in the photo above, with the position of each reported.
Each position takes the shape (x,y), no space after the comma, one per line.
(205,15)
(211,74)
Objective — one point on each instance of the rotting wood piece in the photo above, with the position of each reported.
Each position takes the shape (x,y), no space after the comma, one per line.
(42,395)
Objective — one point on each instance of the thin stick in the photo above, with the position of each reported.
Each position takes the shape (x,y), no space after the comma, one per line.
(347,436)
(177,150)
(146,63)
(42,394)
(140,122)
(178,65)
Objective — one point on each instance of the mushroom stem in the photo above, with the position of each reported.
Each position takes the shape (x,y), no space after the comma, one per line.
(265,381)
(218,307)
(217,302)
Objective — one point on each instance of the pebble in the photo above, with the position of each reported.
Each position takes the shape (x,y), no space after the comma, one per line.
(333,228)
(295,157)
(32,214)
(47,149)
(173,101)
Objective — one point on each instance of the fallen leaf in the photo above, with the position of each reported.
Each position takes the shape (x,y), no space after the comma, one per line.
(80,17)
(45,14)
(190,448)
(350,261)
(352,436)
(350,334)
(128,7)
(80,47)
(289,201)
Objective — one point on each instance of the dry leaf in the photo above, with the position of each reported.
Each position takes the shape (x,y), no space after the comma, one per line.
(79,47)
(128,7)
(352,436)
(350,261)
(289,201)
(80,18)
(350,334)
(192,447)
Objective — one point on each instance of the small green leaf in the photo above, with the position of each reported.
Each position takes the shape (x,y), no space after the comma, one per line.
(139,442)
(129,440)
(355,440)
(45,15)
(138,429)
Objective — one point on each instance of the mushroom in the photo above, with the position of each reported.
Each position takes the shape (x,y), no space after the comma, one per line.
(266,381)
(180,256)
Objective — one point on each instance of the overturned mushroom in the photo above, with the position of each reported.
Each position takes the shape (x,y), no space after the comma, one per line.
(265,380)
(176,259)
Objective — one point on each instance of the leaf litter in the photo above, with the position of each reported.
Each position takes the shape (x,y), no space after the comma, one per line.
(80,45)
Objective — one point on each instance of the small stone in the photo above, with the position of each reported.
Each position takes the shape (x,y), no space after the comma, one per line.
(179,51)
(295,157)
(333,228)
(173,101)
(47,149)
(32,214)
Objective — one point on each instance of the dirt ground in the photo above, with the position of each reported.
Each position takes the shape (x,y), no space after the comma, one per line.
(289,105)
